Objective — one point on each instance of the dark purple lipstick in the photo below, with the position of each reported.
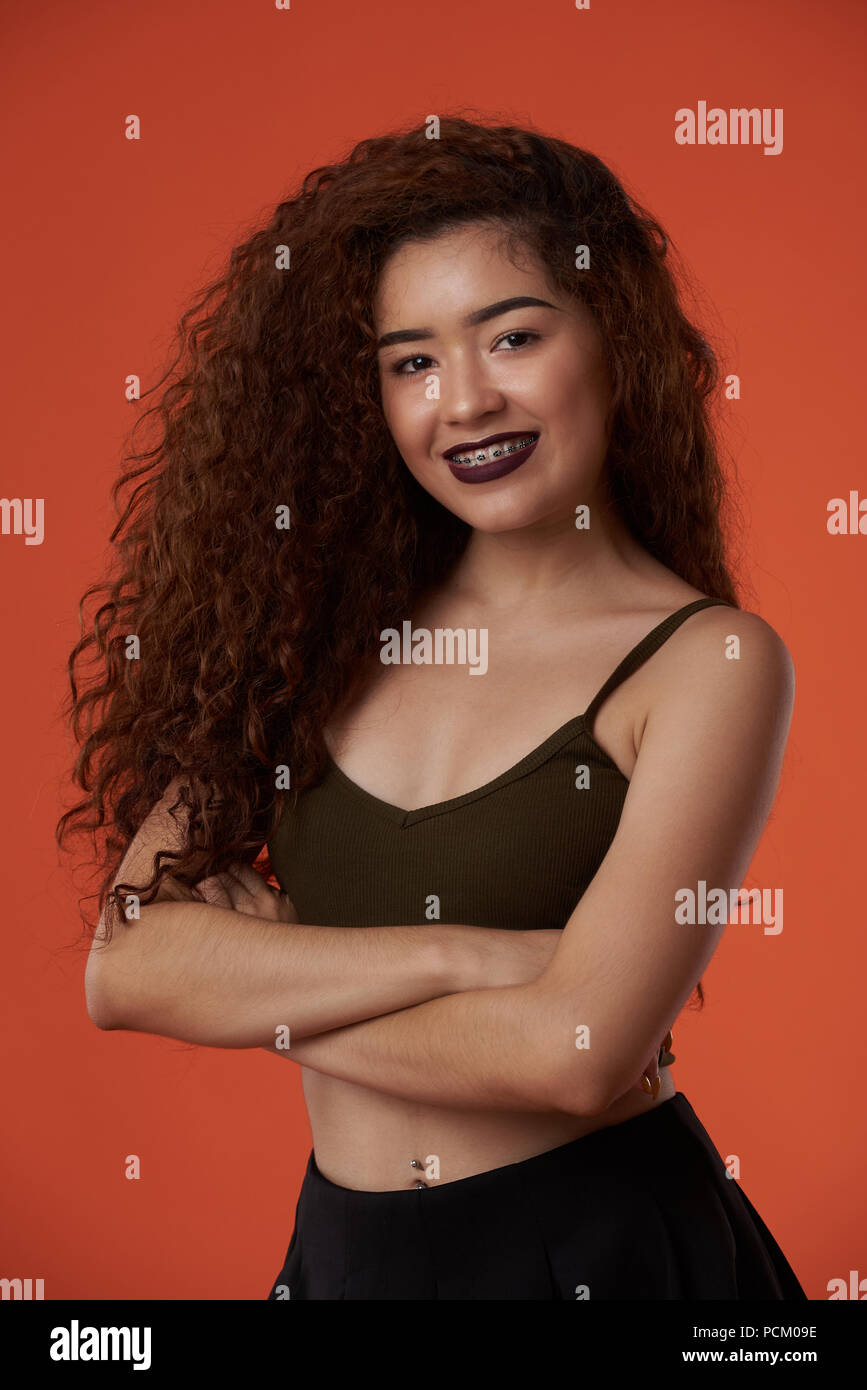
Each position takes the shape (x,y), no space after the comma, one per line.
(492,457)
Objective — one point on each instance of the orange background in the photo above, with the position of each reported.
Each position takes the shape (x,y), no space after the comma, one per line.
(105,241)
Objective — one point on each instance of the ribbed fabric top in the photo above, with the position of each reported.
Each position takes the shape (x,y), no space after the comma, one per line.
(517,852)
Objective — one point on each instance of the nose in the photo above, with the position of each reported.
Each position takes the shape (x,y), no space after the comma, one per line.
(466,391)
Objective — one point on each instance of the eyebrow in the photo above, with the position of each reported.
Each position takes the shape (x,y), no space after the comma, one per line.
(490,311)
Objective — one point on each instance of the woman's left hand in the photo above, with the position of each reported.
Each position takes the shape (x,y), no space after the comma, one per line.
(651,1071)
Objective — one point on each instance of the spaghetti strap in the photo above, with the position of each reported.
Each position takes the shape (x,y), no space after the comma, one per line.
(645,648)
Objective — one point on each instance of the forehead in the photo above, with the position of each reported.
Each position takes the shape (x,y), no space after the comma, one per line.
(453,272)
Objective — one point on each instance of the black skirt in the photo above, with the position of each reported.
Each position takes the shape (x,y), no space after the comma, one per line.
(642,1209)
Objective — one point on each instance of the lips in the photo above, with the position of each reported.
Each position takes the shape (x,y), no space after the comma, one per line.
(489,439)
(495,467)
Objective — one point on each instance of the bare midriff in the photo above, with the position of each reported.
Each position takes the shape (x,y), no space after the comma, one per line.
(367,1140)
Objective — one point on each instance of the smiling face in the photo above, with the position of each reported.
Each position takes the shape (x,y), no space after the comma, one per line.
(461,363)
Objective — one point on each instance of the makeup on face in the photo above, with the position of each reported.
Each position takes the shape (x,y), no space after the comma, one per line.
(492,457)
(493,352)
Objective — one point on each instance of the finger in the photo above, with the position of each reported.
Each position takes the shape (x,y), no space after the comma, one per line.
(247,878)
(291,912)
(649,1081)
(253,894)
(227,890)
(235,884)
(215,890)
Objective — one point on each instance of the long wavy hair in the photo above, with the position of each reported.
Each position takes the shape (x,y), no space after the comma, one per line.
(253,633)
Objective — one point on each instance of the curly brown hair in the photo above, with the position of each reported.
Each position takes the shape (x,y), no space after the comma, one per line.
(253,634)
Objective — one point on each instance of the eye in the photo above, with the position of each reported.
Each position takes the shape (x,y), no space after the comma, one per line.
(398,367)
(518,333)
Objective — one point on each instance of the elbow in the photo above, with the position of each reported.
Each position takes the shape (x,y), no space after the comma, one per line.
(97,1012)
(578,1090)
(570,1076)
(589,1089)
(589,1093)
(574,1086)
(101,1008)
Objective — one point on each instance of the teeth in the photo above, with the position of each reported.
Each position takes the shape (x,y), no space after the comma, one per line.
(493,451)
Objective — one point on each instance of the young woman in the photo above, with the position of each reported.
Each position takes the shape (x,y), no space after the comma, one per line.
(445,407)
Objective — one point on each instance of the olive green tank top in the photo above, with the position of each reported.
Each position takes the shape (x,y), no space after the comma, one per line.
(517,852)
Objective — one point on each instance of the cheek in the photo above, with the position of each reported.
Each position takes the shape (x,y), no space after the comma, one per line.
(563,386)
(409,417)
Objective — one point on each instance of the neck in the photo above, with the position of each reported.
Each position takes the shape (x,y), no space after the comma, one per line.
(552,565)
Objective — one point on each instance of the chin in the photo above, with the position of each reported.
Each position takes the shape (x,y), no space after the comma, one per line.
(507,515)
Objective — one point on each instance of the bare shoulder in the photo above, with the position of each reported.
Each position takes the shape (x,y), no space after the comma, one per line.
(725,661)
(736,633)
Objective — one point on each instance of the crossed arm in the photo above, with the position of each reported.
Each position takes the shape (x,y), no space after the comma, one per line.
(492,1049)
(574,1035)
(576,1038)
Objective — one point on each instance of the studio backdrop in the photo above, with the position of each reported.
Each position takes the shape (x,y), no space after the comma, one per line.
(142,146)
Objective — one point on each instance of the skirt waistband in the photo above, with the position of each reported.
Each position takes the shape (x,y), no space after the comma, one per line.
(640,1209)
(647,1134)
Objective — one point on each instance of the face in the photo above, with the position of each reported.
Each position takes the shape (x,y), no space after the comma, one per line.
(468,369)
